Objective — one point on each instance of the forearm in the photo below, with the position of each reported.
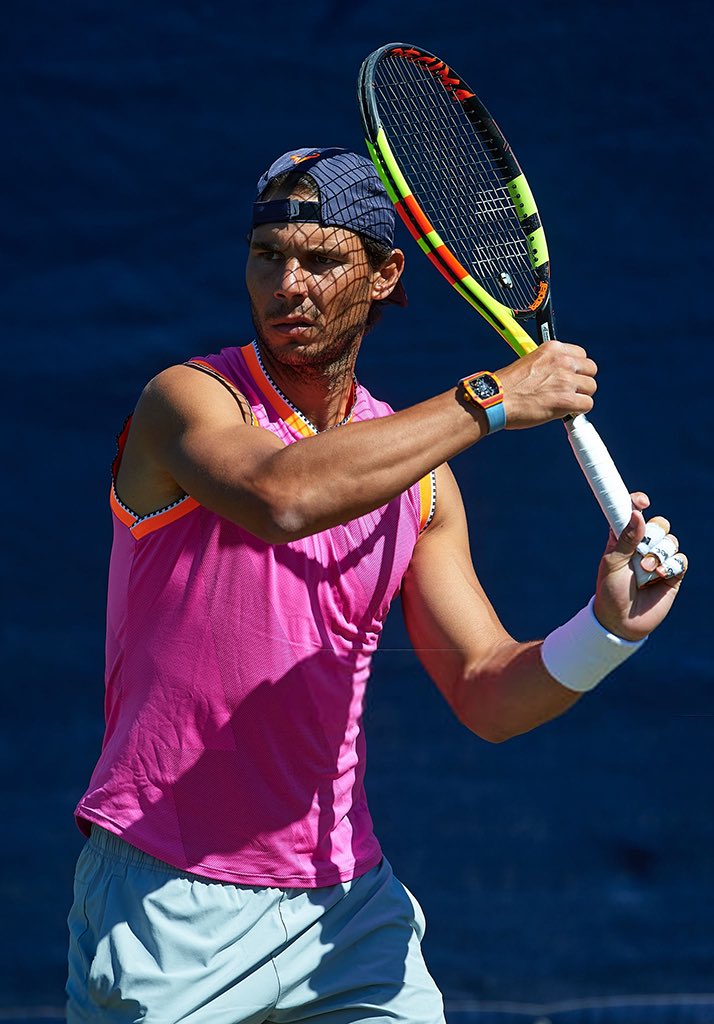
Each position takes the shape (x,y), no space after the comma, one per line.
(509,693)
(520,686)
(339,475)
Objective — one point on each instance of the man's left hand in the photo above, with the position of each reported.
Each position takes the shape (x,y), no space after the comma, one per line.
(620,606)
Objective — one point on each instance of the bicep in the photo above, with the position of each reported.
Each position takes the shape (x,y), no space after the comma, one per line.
(451,622)
(195,431)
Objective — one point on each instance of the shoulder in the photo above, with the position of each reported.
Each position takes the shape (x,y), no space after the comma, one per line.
(186,391)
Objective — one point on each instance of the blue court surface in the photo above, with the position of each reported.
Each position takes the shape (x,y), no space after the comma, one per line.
(567,876)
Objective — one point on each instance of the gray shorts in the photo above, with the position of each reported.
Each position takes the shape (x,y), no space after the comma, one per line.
(149,943)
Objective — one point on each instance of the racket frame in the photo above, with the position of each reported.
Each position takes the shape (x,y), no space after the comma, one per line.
(503,318)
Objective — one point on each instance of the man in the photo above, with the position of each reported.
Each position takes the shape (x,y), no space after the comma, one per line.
(266,511)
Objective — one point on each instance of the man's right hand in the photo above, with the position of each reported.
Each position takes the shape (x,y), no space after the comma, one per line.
(555,380)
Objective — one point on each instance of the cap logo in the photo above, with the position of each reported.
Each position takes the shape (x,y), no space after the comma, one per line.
(298,159)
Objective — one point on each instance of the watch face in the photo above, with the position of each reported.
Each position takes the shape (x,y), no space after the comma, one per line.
(484,387)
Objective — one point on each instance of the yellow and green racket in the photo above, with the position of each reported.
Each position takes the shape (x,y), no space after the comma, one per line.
(463,197)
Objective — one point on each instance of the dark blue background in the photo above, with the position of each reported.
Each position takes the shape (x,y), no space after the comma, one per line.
(574,863)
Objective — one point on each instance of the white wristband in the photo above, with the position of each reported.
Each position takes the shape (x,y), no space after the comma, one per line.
(581,652)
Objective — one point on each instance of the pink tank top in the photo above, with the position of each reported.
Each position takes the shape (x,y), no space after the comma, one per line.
(236,673)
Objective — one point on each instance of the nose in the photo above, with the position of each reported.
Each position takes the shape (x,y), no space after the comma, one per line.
(293,280)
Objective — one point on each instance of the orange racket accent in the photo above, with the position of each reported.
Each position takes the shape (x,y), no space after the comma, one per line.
(540,297)
(410,54)
(408,221)
(440,266)
(452,263)
(410,212)
(445,256)
(418,215)
(440,70)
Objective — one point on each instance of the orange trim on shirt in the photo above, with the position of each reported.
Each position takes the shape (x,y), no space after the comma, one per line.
(121,444)
(211,367)
(140,526)
(291,418)
(427,500)
(123,514)
(156,520)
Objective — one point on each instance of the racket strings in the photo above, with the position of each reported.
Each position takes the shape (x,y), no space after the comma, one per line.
(458,177)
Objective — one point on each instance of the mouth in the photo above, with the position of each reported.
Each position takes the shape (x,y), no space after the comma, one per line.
(293,326)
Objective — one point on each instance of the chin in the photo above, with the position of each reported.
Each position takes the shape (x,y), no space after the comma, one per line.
(320,353)
(287,350)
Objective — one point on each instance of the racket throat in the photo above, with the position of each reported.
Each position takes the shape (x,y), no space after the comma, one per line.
(545,322)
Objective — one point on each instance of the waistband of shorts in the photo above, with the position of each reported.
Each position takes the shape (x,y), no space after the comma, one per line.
(119,849)
(113,847)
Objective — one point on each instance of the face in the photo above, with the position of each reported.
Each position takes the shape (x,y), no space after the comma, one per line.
(310,289)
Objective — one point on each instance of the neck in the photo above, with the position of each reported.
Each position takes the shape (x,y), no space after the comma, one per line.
(323,394)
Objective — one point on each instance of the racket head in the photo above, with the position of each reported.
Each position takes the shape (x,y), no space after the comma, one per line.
(456,185)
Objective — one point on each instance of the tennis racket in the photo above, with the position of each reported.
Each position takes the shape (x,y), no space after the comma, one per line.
(463,197)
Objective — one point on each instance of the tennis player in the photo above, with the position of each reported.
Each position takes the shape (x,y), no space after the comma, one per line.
(266,511)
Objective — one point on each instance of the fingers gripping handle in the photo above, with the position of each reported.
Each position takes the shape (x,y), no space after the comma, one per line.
(604,479)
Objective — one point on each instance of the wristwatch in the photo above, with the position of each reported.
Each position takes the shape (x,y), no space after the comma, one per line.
(486,390)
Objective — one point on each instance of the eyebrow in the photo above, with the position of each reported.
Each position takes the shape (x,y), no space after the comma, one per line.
(331,251)
(255,244)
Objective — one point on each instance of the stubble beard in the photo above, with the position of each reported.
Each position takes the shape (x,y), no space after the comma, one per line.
(328,362)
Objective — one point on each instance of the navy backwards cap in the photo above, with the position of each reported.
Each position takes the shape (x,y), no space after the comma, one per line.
(352,196)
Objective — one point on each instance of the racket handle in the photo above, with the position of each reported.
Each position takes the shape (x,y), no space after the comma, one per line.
(604,479)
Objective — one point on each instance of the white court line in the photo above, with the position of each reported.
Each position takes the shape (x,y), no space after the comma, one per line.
(462,1005)
(565,1005)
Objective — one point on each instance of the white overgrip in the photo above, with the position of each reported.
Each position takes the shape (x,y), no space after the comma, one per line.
(604,479)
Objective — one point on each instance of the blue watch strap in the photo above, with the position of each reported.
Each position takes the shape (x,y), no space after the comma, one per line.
(496,416)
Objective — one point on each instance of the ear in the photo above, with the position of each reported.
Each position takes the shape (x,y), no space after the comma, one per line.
(387,276)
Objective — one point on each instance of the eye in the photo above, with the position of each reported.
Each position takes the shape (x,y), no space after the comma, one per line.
(323,261)
(267,255)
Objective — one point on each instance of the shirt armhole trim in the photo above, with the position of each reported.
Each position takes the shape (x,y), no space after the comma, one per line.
(427,500)
(140,526)
(211,371)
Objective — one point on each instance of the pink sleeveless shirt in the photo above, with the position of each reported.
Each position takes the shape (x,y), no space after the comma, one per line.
(236,672)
